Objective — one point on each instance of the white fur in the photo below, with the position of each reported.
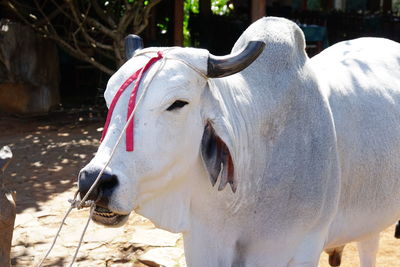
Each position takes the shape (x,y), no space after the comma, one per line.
(361,79)
(315,146)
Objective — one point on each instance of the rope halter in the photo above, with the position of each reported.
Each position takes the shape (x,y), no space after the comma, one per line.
(137,76)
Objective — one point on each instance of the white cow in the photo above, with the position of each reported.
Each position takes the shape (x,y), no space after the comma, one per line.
(311,148)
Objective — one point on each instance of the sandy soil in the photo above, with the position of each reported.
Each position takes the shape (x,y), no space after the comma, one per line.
(48,154)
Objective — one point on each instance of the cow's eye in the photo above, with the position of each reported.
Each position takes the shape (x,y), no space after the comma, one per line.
(177,105)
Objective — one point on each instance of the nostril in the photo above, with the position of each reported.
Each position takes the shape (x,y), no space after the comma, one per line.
(105,185)
(85,181)
(108,182)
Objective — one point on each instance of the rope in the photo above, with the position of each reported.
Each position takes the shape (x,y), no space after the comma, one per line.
(120,136)
(190,66)
(75,203)
(55,238)
(92,207)
(128,122)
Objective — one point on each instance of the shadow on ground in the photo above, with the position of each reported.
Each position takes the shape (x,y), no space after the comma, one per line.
(48,154)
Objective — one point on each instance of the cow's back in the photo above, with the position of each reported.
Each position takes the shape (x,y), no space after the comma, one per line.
(361,79)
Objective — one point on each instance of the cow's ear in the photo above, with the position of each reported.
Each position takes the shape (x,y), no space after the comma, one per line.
(217,158)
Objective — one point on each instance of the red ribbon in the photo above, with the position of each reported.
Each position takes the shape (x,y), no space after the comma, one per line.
(132,101)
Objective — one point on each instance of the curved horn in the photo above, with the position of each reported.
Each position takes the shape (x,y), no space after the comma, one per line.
(132,43)
(221,66)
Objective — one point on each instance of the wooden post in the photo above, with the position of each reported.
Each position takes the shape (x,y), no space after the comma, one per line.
(329,5)
(7,211)
(304,5)
(386,6)
(258,9)
(5,158)
(178,22)
(7,219)
(205,7)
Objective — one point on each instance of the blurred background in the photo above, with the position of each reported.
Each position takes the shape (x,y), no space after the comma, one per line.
(59,54)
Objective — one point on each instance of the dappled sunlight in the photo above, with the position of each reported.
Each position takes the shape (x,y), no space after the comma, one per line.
(37,164)
(55,168)
(48,154)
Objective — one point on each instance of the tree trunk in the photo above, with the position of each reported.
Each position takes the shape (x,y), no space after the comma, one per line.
(7,219)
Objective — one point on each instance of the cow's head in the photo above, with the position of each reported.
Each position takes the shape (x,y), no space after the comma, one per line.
(174,134)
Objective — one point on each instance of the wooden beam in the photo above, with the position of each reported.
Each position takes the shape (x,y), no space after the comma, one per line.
(178,22)
(258,9)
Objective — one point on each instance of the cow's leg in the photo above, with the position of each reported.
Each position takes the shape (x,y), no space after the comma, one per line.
(367,249)
(309,251)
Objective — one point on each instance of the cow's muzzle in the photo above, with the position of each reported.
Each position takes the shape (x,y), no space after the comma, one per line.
(103,189)
(101,194)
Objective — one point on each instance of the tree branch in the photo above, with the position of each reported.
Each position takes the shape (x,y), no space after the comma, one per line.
(82,56)
(83,27)
(19,15)
(128,15)
(52,15)
(118,54)
(102,14)
(146,15)
(61,8)
(81,22)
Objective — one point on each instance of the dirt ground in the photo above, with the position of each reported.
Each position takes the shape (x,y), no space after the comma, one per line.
(48,154)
